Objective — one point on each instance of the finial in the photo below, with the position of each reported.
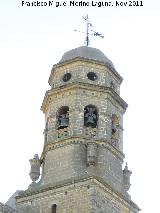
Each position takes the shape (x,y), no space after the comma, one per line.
(126,166)
(89,31)
(35,168)
(126,178)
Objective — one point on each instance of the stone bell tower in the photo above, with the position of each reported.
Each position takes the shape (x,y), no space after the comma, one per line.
(81,163)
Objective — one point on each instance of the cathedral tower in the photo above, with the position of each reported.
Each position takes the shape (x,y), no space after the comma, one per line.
(81,163)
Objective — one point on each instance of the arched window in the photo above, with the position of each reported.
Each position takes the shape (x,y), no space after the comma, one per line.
(115,130)
(63,117)
(54,207)
(90,116)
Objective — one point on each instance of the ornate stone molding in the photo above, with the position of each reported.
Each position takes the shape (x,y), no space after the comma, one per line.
(61,143)
(80,60)
(69,184)
(86,86)
(80,140)
(90,132)
(91,153)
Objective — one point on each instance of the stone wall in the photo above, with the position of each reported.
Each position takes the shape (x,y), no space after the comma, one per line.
(6,209)
(88,196)
(67,159)
(63,163)
(79,70)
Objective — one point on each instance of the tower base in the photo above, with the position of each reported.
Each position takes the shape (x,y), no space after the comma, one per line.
(80,196)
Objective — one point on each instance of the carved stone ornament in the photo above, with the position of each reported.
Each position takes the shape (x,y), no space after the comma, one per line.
(90,132)
(61,133)
(126,178)
(91,153)
(35,168)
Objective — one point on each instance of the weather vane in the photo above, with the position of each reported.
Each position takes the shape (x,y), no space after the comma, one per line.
(89,31)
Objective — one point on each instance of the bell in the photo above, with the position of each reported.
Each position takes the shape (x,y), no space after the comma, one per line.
(90,117)
(63,121)
(90,121)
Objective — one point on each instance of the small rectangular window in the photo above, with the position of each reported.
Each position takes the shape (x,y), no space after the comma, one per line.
(54,207)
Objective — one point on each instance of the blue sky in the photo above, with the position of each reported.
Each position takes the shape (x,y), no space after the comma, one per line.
(33,39)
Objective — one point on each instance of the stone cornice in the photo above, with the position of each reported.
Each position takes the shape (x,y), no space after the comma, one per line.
(61,64)
(85,86)
(80,140)
(70,184)
(106,187)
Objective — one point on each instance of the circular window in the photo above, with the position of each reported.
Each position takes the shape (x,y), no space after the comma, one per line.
(92,76)
(67,77)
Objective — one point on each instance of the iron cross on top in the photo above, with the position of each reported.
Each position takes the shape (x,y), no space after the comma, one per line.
(89,30)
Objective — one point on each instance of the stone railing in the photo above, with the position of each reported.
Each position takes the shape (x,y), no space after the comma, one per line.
(55,135)
(61,133)
(6,209)
(58,134)
(90,132)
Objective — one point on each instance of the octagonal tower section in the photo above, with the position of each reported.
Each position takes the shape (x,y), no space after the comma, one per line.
(84,119)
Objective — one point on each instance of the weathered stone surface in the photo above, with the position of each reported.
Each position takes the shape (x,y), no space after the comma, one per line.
(85,196)
(6,209)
